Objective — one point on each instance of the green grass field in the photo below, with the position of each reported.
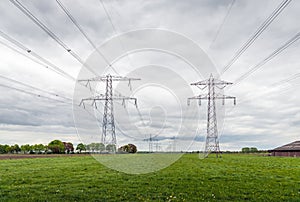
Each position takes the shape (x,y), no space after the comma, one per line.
(81,178)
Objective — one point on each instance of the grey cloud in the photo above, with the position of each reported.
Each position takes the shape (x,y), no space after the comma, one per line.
(265,120)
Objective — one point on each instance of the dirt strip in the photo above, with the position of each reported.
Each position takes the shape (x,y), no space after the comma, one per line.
(27,156)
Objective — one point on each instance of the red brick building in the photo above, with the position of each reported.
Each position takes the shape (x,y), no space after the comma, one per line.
(291,150)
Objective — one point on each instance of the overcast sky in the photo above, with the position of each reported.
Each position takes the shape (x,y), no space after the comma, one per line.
(267,114)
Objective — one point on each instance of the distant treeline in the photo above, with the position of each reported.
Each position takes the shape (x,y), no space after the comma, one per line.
(59,147)
(55,146)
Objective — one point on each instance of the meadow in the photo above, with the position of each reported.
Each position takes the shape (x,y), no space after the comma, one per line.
(234,177)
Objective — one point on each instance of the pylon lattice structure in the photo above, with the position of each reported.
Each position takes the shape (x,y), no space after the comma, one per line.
(212,140)
(108,136)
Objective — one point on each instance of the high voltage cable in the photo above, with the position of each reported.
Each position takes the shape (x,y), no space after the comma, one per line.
(115,30)
(50,33)
(34,88)
(222,23)
(41,96)
(267,59)
(265,93)
(108,16)
(30,58)
(66,75)
(33,94)
(66,11)
(295,76)
(271,90)
(258,32)
(36,61)
(31,52)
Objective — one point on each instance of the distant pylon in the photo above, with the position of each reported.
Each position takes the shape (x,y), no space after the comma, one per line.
(212,139)
(108,136)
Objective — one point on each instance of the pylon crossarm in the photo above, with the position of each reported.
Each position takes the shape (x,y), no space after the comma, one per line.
(224,97)
(102,98)
(200,83)
(123,99)
(105,78)
(198,97)
(220,82)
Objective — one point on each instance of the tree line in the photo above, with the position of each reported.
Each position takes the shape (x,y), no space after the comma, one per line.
(59,147)
(55,146)
(100,148)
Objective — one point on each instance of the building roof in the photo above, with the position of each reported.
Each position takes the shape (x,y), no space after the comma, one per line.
(294,146)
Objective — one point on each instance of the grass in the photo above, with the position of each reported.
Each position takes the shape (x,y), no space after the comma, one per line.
(82,178)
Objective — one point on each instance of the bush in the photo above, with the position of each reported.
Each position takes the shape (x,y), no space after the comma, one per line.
(129,148)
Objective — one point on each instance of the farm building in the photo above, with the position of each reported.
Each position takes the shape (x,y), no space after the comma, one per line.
(292,150)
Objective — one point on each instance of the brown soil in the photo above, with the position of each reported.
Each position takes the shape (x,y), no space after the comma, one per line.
(24,156)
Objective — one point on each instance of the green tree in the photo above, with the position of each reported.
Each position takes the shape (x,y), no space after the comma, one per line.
(11,149)
(25,148)
(245,150)
(87,147)
(2,149)
(16,148)
(253,150)
(92,147)
(38,148)
(111,148)
(99,147)
(7,148)
(80,147)
(56,146)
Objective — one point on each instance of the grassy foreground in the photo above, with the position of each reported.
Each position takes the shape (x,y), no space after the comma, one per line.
(81,178)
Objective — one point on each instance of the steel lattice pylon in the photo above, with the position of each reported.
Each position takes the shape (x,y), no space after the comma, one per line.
(108,136)
(108,115)
(212,140)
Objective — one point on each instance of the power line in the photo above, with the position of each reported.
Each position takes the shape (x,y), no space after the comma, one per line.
(272,87)
(258,32)
(267,59)
(24,10)
(287,80)
(222,23)
(29,51)
(46,63)
(34,88)
(127,55)
(108,16)
(66,75)
(33,94)
(115,30)
(66,11)
(36,61)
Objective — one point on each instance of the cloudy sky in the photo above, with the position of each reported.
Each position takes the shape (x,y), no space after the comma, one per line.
(267,113)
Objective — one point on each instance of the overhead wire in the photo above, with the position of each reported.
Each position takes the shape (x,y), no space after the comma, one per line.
(34,88)
(271,90)
(115,31)
(30,15)
(222,23)
(48,65)
(128,57)
(32,93)
(25,55)
(267,59)
(74,21)
(257,33)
